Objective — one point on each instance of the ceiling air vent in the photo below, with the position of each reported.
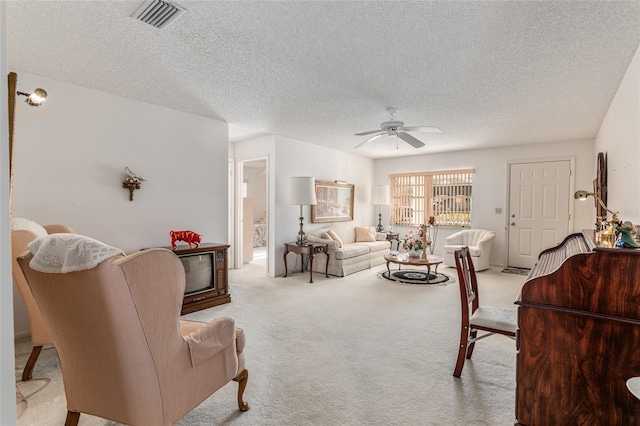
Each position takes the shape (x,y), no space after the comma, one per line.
(158,13)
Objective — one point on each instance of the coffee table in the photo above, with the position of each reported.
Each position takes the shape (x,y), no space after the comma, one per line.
(404,259)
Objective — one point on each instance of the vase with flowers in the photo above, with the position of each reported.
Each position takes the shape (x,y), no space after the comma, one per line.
(415,243)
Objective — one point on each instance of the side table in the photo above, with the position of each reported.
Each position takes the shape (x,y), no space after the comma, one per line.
(391,237)
(310,250)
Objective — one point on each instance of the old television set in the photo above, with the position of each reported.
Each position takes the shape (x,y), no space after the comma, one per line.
(206,273)
(199,270)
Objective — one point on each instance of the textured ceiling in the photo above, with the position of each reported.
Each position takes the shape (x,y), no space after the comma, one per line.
(486,73)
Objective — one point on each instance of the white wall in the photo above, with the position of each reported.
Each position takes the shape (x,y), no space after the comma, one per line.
(490,183)
(262,147)
(619,138)
(256,185)
(69,159)
(7,356)
(290,157)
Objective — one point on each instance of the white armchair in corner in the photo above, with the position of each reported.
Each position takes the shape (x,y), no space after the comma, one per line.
(479,242)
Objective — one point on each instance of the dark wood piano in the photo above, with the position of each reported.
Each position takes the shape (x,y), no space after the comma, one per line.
(579,336)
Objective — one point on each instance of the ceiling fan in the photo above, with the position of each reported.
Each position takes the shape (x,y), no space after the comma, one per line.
(397,128)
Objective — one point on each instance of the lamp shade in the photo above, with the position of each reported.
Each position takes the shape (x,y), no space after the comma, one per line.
(303,191)
(380,195)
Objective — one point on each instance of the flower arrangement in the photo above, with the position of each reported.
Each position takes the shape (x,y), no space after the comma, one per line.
(416,240)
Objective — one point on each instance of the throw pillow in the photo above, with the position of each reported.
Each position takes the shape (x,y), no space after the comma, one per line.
(335,237)
(365,234)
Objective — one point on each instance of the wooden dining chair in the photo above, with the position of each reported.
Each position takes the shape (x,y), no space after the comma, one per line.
(489,319)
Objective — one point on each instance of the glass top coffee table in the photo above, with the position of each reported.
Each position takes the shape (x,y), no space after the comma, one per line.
(404,259)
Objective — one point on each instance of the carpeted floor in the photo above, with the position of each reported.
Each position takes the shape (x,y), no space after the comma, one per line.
(357,350)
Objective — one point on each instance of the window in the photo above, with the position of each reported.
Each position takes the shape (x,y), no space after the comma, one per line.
(443,195)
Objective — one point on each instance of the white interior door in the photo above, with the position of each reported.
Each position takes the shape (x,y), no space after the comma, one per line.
(538,209)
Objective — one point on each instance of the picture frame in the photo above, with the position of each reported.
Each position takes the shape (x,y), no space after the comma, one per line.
(335,202)
(600,185)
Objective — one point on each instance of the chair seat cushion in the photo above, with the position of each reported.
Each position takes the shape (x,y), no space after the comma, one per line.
(505,319)
(475,251)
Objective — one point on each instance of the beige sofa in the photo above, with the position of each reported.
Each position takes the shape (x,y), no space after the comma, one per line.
(354,255)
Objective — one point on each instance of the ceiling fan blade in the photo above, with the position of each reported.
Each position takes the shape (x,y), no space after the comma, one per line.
(370,139)
(410,140)
(430,129)
(370,132)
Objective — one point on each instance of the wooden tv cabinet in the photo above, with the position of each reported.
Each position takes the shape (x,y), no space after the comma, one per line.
(214,297)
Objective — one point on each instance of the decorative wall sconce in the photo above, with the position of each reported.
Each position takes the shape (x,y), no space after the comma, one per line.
(131,181)
(610,232)
(37,98)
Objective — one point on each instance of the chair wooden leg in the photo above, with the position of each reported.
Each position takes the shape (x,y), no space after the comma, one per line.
(474,334)
(462,351)
(72,418)
(31,362)
(242,383)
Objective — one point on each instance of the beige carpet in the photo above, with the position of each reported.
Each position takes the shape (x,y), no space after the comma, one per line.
(359,350)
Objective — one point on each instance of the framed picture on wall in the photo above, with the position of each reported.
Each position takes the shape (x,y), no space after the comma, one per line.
(335,202)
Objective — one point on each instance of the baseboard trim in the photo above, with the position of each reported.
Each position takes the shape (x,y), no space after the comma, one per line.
(21,335)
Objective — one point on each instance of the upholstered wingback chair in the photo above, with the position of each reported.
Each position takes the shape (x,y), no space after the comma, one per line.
(124,353)
(23,231)
(479,242)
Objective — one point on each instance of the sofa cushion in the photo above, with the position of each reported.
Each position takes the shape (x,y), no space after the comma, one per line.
(347,233)
(351,250)
(335,237)
(365,234)
(377,246)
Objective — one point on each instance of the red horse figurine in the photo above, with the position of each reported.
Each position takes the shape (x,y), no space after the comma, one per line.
(189,237)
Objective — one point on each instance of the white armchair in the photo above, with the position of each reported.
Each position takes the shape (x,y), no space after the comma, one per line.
(479,242)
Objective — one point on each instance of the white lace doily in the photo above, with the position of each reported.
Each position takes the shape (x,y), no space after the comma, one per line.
(60,253)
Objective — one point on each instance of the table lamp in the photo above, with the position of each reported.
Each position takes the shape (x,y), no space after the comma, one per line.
(610,232)
(380,197)
(303,192)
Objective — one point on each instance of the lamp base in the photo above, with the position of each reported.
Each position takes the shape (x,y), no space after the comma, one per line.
(301,240)
(380,228)
(610,232)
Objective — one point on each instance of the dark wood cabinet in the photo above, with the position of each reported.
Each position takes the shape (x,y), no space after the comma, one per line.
(578,338)
(217,295)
